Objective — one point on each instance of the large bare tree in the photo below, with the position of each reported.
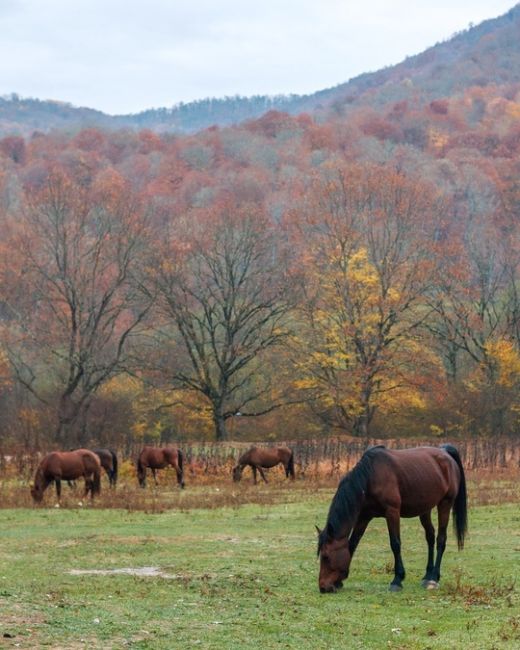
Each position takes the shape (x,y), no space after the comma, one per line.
(76,301)
(222,299)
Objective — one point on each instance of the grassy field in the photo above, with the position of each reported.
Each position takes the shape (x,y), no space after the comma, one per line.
(244,575)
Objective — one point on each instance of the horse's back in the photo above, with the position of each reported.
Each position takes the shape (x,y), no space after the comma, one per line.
(415,479)
(267,456)
(90,461)
(159,457)
(423,464)
(69,465)
(284,453)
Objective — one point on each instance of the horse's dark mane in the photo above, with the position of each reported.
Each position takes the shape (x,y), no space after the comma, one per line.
(347,501)
(39,477)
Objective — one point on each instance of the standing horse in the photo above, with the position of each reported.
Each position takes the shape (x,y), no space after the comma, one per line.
(108,460)
(158,458)
(264,457)
(67,466)
(394,484)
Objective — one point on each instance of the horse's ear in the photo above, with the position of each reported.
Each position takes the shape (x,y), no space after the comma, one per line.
(318,529)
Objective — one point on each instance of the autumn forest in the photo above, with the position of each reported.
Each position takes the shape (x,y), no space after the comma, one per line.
(349,270)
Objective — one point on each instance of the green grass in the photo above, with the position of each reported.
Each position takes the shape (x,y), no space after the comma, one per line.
(246,577)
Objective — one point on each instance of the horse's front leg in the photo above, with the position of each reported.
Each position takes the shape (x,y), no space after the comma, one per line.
(393,522)
(262,473)
(154,473)
(429,531)
(253,467)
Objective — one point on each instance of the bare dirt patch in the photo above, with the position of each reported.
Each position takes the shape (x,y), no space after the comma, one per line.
(143,572)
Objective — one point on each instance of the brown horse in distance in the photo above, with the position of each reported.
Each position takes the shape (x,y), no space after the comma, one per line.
(394,484)
(67,466)
(158,458)
(260,458)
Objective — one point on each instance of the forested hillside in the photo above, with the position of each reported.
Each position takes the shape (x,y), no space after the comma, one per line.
(354,270)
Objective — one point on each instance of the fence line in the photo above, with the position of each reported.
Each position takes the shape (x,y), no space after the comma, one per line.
(317,457)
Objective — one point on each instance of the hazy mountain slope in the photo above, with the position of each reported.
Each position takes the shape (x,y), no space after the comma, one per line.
(486,54)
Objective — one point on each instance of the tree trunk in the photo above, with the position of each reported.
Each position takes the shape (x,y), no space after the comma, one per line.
(72,423)
(362,422)
(220,423)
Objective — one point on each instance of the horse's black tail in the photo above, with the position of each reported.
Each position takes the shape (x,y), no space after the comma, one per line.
(141,473)
(290,465)
(180,474)
(113,476)
(460,507)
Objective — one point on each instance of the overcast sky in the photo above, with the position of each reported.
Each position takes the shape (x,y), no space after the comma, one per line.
(124,56)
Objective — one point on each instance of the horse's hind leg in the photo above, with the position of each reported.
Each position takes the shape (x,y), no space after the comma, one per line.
(154,473)
(180,477)
(394,531)
(443,510)
(429,531)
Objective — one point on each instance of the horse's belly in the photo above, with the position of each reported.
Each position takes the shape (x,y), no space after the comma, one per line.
(418,508)
(157,465)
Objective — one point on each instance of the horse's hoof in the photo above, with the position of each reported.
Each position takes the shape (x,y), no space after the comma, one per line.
(430,584)
(396,587)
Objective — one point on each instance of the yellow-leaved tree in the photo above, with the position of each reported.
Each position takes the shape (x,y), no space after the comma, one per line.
(366,238)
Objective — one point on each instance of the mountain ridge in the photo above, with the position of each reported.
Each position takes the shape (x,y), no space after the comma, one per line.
(488,53)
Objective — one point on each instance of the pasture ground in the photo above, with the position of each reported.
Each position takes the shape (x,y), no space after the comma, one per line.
(243,574)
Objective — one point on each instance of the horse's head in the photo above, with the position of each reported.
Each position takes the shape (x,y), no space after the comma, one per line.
(335,559)
(36,493)
(237,473)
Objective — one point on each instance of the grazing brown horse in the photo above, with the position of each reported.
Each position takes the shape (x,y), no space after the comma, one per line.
(394,484)
(108,460)
(264,457)
(158,458)
(67,466)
